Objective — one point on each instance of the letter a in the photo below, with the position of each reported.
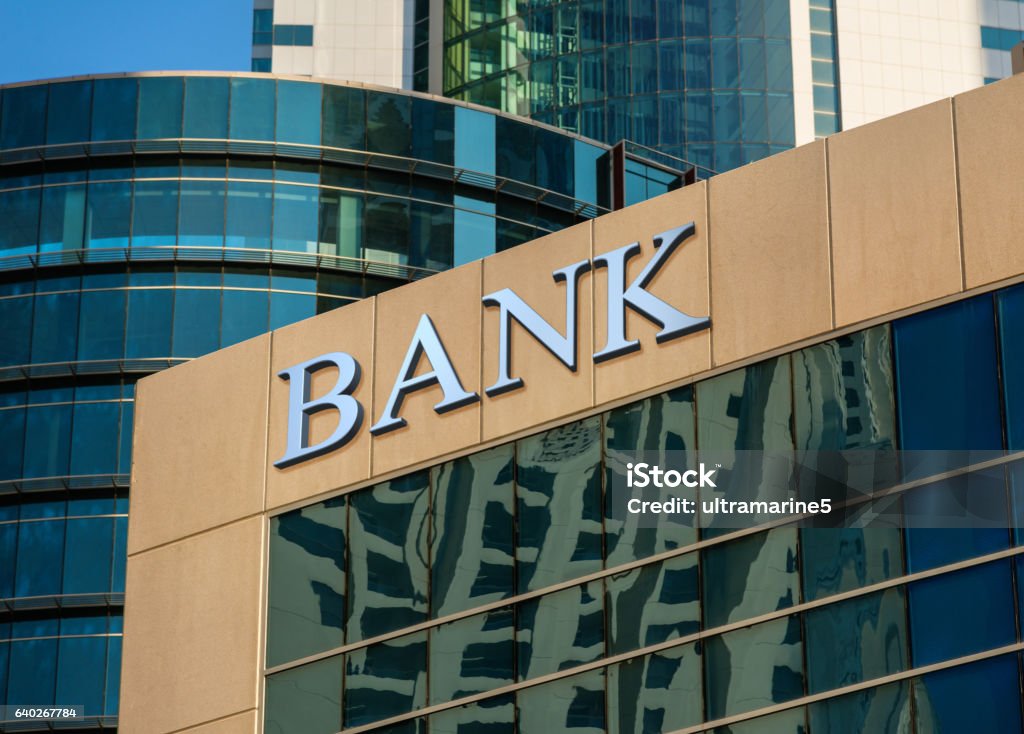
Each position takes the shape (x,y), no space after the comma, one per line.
(425,342)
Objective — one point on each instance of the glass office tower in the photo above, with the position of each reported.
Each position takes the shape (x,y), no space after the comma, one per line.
(146,220)
(502,592)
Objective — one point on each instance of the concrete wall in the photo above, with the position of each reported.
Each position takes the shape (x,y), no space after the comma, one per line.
(889,218)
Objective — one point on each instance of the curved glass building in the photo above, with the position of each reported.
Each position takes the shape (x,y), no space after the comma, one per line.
(710,82)
(149,219)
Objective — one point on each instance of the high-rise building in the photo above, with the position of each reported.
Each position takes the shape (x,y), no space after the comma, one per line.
(148,219)
(715,82)
(443,552)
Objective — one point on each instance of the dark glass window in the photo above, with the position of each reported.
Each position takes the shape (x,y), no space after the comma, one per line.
(160,107)
(956,519)
(947,379)
(33,671)
(68,112)
(148,332)
(386,679)
(560,630)
(244,314)
(101,325)
(961,613)
(433,131)
(206,108)
(563,705)
(656,693)
(306,609)
(472,655)
(1011,327)
(287,308)
(884,710)
(40,552)
(305,699)
(856,640)
(94,442)
(472,543)
(108,215)
(344,117)
(19,221)
(388,123)
(991,686)
(840,559)
(750,576)
(88,547)
(62,223)
(194,313)
(498,712)
(23,116)
(55,328)
(753,667)
(558,497)
(387,557)
(652,604)
(113,109)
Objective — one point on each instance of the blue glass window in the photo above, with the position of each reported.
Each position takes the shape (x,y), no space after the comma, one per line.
(160,107)
(201,214)
(62,224)
(249,211)
(388,123)
(1011,335)
(33,671)
(23,119)
(961,613)
(252,109)
(108,215)
(81,658)
(40,556)
(194,311)
(992,687)
(344,117)
(19,221)
(245,315)
(155,214)
(295,218)
(67,117)
(113,109)
(94,439)
(87,555)
(101,325)
(298,112)
(956,519)
(474,141)
(947,378)
(206,108)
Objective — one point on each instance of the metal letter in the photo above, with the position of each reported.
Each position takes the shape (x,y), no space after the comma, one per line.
(300,407)
(425,342)
(673,322)
(514,307)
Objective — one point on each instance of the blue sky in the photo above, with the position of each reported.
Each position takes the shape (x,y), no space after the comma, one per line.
(53,38)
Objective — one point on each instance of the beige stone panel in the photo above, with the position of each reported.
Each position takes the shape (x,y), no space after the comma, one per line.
(348,329)
(245,723)
(769,254)
(895,238)
(550,389)
(192,630)
(990,152)
(200,442)
(682,282)
(452,300)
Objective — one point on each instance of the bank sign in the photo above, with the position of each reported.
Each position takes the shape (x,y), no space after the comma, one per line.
(428,344)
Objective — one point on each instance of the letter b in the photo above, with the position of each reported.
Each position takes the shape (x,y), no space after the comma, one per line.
(300,407)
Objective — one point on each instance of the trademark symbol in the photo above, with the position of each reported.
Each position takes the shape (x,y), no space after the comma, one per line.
(718,465)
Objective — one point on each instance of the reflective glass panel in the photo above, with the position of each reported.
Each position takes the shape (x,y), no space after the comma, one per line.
(754,667)
(472,539)
(386,679)
(472,655)
(252,109)
(298,112)
(558,496)
(155,214)
(67,114)
(387,557)
(750,576)
(206,108)
(560,630)
(306,609)
(653,604)
(991,686)
(1011,327)
(305,700)
(62,224)
(113,108)
(575,704)
(856,640)
(160,107)
(885,709)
